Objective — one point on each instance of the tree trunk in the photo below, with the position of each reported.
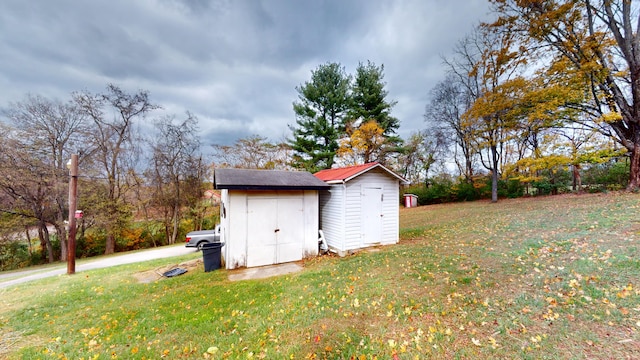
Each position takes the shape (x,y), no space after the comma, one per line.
(28,241)
(494,174)
(43,233)
(110,243)
(577,180)
(62,237)
(634,168)
(174,233)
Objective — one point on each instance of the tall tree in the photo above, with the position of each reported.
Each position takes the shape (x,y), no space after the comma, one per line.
(369,104)
(320,112)
(51,130)
(450,99)
(176,159)
(114,114)
(369,99)
(487,65)
(597,43)
(27,182)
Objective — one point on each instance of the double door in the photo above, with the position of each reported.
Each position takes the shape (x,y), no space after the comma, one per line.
(275,230)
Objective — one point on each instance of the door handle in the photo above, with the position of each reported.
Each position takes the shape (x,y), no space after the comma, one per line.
(276,230)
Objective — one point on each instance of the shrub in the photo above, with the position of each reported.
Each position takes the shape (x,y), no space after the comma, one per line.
(15,255)
(612,176)
(91,244)
(466,191)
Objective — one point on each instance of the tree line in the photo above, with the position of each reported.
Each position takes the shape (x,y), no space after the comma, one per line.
(548,85)
(545,86)
(122,172)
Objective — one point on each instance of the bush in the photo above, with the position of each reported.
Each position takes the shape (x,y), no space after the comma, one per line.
(91,244)
(511,189)
(15,255)
(466,191)
(612,176)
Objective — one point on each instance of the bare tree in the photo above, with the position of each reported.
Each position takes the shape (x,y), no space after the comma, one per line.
(449,100)
(177,166)
(114,114)
(49,131)
(26,183)
(417,157)
(253,152)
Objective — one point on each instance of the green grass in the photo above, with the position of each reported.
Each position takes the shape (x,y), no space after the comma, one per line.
(542,278)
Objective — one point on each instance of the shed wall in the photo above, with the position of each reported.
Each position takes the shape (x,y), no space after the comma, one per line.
(236,229)
(332,215)
(342,212)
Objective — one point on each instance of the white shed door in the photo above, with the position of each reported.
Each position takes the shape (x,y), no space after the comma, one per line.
(290,236)
(275,230)
(372,215)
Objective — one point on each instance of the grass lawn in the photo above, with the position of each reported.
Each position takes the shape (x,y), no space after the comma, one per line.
(541,278)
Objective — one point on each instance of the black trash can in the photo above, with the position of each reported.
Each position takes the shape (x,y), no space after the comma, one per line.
(211,256)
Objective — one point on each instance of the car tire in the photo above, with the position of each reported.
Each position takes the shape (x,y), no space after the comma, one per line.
(200,245)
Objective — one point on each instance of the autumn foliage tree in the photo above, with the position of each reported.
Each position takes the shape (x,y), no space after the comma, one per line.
(338,114)
(362,143)
(596,44)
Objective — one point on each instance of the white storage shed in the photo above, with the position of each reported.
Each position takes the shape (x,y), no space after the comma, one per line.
(361,207)
(267,217)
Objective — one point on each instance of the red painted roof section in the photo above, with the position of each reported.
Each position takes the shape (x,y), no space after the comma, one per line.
(343,173)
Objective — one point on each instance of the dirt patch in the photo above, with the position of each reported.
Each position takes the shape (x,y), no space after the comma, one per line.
(11,341)
(150,276)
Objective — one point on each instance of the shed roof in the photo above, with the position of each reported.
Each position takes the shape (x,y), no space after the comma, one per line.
(250,179)
(344,174)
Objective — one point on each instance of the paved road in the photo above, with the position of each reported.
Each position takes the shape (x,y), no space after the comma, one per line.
(20,277)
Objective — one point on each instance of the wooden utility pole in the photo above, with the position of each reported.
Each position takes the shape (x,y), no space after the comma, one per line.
(73,204)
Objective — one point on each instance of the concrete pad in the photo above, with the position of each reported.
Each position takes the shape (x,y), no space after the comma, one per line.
(265,271)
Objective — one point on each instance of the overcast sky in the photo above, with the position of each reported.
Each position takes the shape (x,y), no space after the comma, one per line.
(233,63)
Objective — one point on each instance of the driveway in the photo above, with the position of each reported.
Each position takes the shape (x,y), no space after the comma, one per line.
(19,277)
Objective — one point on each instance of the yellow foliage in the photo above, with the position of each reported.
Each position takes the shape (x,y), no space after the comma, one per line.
(363,141)
(611,117)
(527,169)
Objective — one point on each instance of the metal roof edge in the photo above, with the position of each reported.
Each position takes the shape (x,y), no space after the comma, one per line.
(377,164)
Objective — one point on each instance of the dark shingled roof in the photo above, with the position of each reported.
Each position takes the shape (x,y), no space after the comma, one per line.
(246,179)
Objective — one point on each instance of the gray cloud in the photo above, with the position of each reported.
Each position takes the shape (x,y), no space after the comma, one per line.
(233,63)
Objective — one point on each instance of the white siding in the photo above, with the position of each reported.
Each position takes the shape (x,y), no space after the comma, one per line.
(341,210)
(236,230)
(311,223)
(332,215)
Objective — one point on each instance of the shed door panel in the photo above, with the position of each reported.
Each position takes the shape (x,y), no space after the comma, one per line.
(261,231)
(275,230)
(291,224)
(372,215)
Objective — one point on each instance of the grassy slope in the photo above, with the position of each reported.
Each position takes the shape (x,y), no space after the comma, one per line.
(553,277)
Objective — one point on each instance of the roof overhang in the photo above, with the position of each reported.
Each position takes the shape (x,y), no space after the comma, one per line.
(252,179)
(344,175)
